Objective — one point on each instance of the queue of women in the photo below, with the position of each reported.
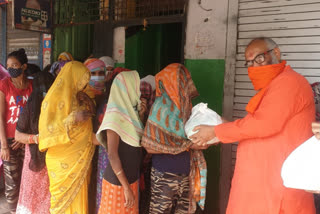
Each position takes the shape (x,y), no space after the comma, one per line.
(76,138)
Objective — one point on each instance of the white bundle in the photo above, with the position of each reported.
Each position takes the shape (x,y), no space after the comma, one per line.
(202,115)
(301,169)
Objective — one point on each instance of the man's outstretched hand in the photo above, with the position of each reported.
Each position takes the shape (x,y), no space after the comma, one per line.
(204,134)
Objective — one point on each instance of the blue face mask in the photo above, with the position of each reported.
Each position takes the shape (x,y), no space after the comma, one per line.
(15,72)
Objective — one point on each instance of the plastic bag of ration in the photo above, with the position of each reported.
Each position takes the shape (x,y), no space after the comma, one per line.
(202,115)
(301,168)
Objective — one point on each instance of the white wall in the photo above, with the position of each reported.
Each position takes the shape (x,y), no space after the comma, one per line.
(119,40)
(206,30)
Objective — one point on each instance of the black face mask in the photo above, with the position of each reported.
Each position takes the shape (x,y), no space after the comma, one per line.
(15,72)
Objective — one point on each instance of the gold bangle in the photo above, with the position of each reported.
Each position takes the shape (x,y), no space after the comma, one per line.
(118,173)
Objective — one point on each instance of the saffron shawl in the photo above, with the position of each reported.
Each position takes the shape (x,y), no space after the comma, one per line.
(261,77)
(164,131)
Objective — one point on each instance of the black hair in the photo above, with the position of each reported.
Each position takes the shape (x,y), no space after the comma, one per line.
(41,84)
(32,69)
(47,68)
(20,55)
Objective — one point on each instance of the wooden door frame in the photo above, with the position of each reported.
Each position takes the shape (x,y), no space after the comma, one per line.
(226,169)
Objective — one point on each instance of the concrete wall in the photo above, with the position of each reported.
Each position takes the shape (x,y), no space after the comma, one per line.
(206,30)
(205,53)
(119,40)
(205,48)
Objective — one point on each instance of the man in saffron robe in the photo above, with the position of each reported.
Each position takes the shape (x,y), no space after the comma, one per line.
(279,120)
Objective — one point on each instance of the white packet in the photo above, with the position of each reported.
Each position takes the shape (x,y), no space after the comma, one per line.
(202,115)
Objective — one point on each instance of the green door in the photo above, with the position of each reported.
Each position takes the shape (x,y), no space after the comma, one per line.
(78,38)
(150,50)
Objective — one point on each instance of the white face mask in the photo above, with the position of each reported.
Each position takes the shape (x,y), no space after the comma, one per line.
(98,78)
(98,83)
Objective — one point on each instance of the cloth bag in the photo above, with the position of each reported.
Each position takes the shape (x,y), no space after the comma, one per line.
(202,115)
(301,168)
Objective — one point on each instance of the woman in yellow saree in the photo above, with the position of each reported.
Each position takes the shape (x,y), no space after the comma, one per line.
(65,132)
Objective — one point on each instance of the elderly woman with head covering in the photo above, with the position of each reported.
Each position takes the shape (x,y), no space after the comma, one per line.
(34,189)
(65,132)
(147,96)
(109,63)
(65,56)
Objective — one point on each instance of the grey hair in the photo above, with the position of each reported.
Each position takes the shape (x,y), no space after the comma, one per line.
(271,44)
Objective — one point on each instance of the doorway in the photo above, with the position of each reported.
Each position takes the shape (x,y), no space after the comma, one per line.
(149,50)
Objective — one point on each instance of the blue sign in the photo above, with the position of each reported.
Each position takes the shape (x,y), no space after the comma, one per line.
(46,43)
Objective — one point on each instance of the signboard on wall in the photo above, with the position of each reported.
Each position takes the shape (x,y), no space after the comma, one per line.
(3,2)
(46,49)
(34,15)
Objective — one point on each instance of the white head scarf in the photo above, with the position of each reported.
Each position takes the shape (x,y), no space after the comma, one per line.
(108,61)
(151,80)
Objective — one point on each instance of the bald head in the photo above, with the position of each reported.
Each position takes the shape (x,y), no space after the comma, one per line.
(263,41)
(262,46)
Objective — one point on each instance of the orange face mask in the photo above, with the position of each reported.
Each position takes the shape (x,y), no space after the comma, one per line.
(261,77)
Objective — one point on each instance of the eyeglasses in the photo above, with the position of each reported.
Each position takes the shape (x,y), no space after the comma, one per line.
(259,59)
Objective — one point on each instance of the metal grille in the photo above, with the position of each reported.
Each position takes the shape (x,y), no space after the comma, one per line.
(80,11)
(76,11)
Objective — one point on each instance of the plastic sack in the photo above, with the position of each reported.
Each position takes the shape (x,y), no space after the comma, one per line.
(301,169)
(202,115)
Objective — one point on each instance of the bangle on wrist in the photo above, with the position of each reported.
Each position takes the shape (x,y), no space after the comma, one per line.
(4,148)
(35,139)
(118,173)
